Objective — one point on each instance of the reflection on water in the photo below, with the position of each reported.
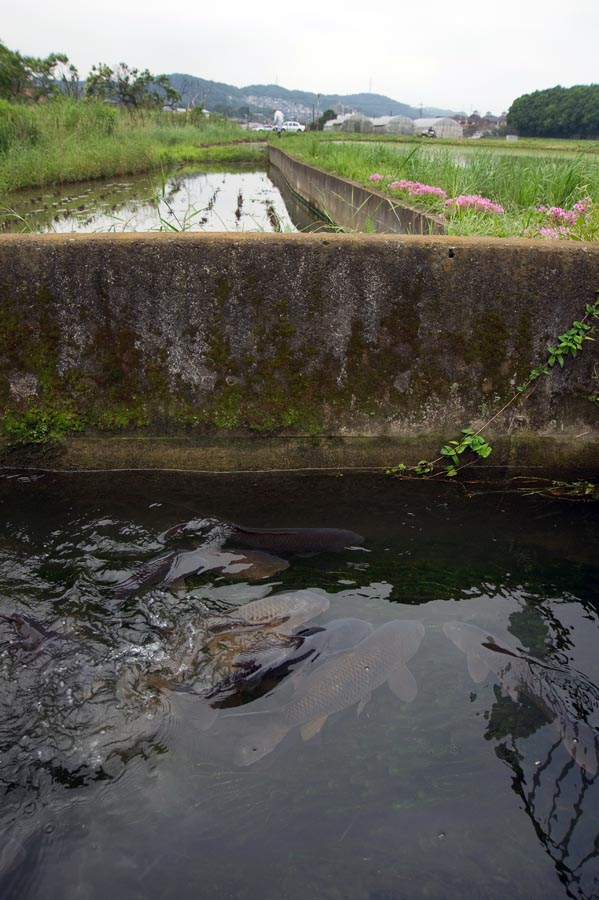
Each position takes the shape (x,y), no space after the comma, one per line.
(200,201)
(188,703)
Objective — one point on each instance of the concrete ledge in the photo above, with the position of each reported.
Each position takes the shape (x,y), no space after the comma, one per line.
(348,204)
(225,351)
(519,455)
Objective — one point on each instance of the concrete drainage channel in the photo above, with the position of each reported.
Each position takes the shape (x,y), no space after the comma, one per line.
(350,206)
(222,352)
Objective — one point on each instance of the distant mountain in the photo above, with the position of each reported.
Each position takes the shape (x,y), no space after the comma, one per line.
(260,100)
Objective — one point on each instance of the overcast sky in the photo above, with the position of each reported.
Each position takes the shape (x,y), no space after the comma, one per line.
(456,54)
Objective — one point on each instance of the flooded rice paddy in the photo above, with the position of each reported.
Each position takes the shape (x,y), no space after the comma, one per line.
(237,201)
(257,686)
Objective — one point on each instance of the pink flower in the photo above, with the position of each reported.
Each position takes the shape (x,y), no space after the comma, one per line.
(567,216)
(583,206)
(417,189)
(559,232)
(474,201)
(376,177)
(557,214)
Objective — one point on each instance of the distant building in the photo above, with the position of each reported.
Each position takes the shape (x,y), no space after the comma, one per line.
(357,122)
(476,125)
(393,125)
(335,124)
(444,127)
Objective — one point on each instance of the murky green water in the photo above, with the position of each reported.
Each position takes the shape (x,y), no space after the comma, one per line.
(115,783)
(233,200)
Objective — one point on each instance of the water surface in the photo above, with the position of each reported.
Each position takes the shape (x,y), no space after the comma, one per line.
(233,200)
(113,783)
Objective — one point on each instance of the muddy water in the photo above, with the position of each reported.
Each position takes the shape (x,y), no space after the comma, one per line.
(238,201)
(455,779)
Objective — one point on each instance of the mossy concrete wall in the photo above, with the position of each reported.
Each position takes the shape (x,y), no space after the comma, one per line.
(265,351)
(349,205)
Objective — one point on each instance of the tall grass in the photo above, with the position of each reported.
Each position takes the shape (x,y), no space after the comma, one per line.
(514,181)
(66,140)
(518,182)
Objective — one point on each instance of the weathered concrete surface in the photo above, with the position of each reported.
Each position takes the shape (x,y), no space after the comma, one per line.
(348,204)
(272,351)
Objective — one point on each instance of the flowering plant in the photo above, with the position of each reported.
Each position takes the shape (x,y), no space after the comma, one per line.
(558,223)
(474,201)
(417,189)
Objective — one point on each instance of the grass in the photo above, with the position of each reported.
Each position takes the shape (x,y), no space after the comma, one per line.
(518,181)
(64,141)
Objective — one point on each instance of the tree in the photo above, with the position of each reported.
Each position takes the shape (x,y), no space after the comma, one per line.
(43,75)
(13,74)
(327,115)
(130,88)
(557,112)
(29,77)
(68,76)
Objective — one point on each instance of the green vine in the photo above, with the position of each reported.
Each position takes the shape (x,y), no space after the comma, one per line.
(568,344)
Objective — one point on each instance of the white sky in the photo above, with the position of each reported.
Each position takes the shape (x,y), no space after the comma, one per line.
(456,54)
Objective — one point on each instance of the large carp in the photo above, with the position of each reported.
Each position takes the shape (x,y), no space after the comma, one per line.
(274,656)
(341,680)
(563,695)
(274,540)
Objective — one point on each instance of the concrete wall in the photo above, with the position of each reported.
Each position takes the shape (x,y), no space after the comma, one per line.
(349,205)
(263,351)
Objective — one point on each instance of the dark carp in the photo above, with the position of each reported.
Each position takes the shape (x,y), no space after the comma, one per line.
(562,694)
(293,540)
(277,540)
(31,634)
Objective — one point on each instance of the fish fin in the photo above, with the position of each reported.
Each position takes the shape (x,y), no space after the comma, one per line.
(188,707)
(582,743)
(362,704)
(310,729)
(477,668)
(254,565)
(403,684)
(205,716)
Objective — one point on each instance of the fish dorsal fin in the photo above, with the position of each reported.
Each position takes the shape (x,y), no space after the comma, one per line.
(362,704)
(403,684)
(477,667)
(310,729)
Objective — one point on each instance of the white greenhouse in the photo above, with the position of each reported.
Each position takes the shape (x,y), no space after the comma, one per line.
(393,125)
(443,127)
